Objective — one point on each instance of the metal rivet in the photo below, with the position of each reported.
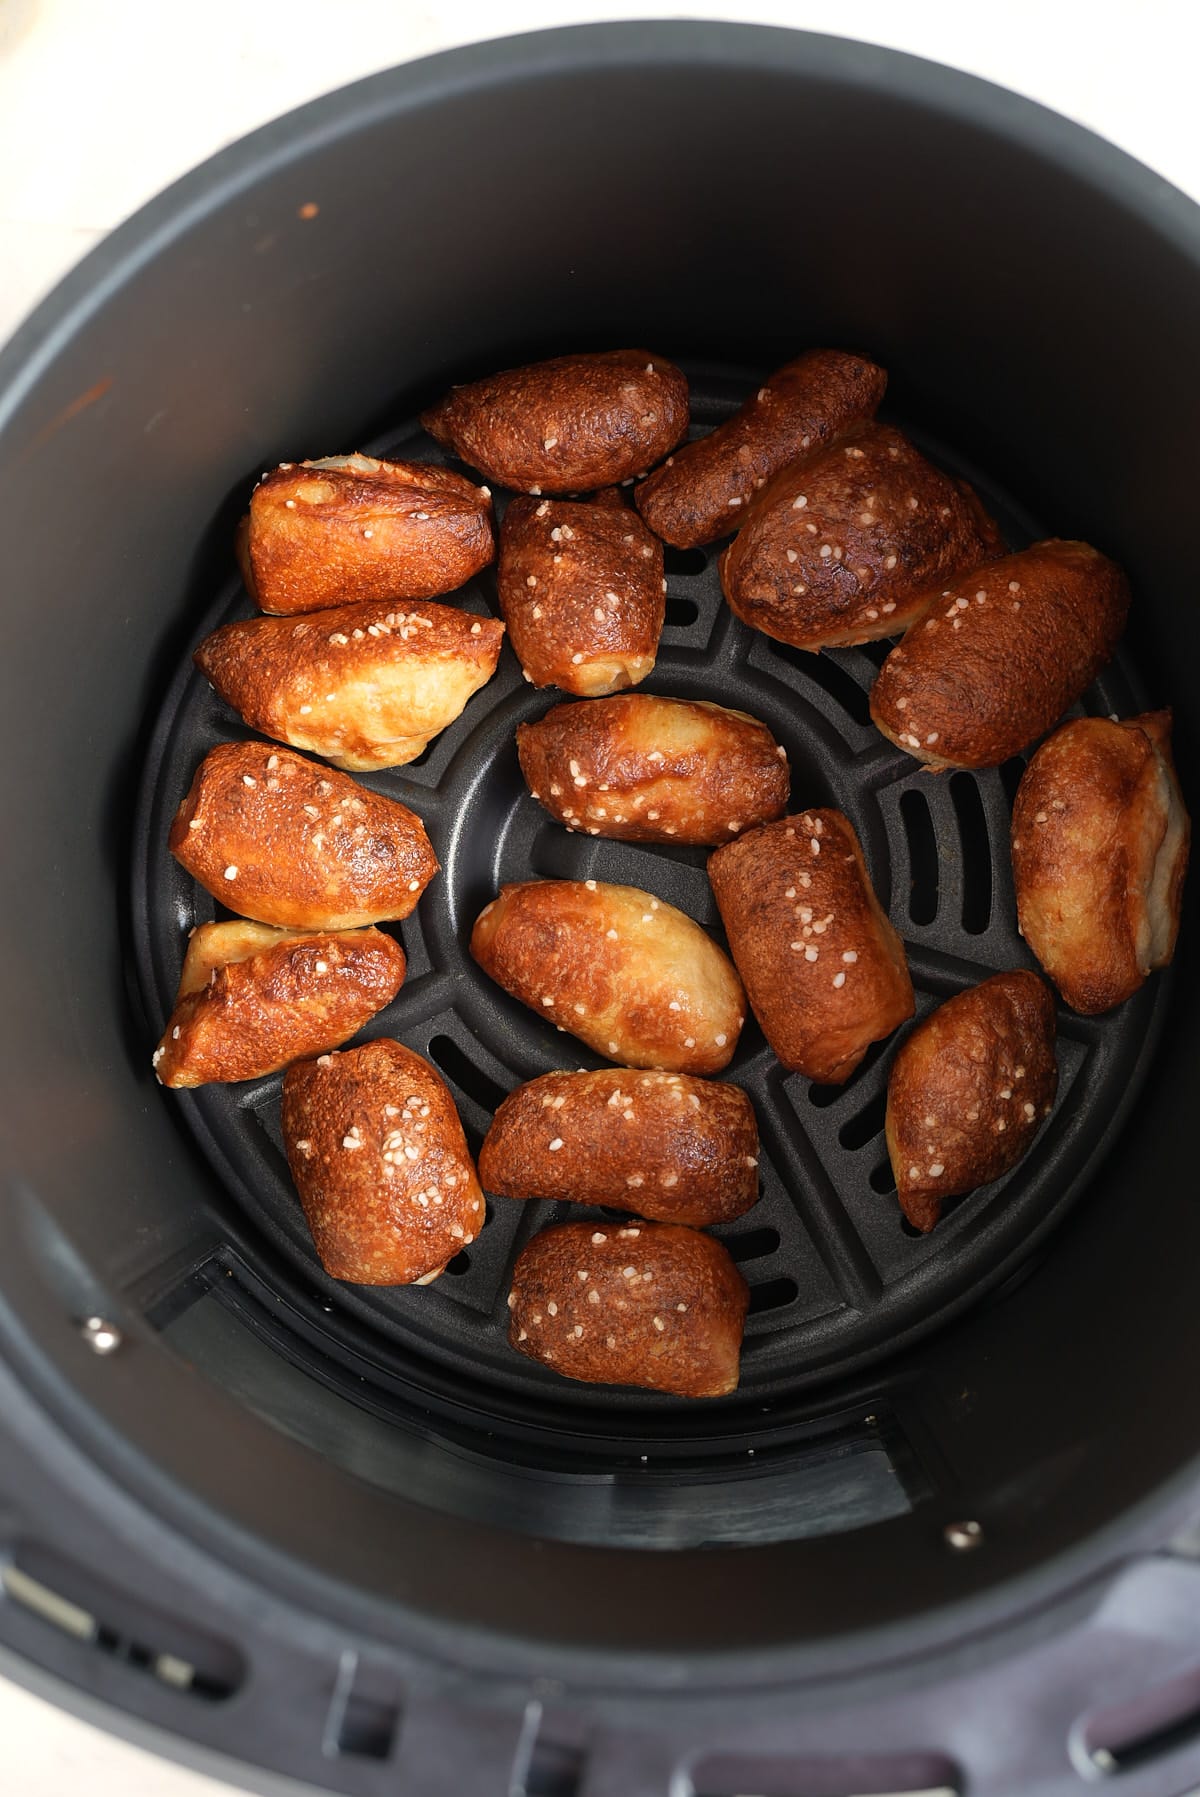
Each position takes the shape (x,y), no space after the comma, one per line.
(962,1535)
(101,1337)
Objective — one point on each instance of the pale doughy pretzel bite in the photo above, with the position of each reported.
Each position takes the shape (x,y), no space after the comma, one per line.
(367,685)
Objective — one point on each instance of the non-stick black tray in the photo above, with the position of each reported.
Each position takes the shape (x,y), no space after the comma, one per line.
(838,1279)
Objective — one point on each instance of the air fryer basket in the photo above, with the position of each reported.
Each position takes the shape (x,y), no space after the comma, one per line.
(347,1534)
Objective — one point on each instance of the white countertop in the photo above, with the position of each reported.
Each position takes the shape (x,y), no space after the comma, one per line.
(102,102)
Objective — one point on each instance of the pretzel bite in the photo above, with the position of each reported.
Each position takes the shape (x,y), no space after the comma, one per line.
(684,1150)
(645,769)
(629,975)
(351,527)
(696,496)
(1001,655)
(969,1090)
(285,841)
(648,1304)
(252,998)
(567,425)
(855,544)
(365,685)
(824,970)
(1100,849)
(381,1164)
(582,592)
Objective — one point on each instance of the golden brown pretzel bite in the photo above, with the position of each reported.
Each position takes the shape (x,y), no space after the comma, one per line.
(381,1164)
(1100,848)
(855,544)
(367,686)
(682,1150)
(969,1090)
(701,492)
(566,425)
(253,997)
(582,592)
(1001,655)
(286,841)
(645,769)
(824,970)
(643,1304)
(629,975)
(353,527)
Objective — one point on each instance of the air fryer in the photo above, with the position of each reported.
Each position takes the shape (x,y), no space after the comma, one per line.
(940,1536)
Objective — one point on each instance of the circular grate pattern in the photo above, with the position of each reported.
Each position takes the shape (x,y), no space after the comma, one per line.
(838,1279)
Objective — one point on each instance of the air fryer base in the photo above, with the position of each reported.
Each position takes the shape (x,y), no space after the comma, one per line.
(297,1689)
(352,1592)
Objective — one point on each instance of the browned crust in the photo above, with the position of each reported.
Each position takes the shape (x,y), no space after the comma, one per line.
(631,976)
(823,968)
(294,996)
(700,493)
(646,769)
(1002,655)
(381,1164)
(853,545)
(566,425)
(365,685)
(283,840)
(582,592)
(682,1150)
(353,527)
(1090,824)
(969,1090)
(645,1304)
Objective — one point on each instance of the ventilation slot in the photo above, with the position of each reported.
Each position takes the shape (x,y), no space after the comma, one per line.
(459,1067)
(684,561)
(361,1724)
(554,1770)
(857,1131)
(922,856)
(882,1179)
(1143,1728)
(368,1729)
(976,854)
(1010,778)
(679,613)
(68,1598)
(904,1775)
(878,651)
(460,1264)
(753,1244)
(830,676)
(773,1294)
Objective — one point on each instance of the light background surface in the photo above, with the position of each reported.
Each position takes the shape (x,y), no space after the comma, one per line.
(103,102)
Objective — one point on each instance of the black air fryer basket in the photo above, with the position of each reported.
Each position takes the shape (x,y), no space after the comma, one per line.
(940,1536)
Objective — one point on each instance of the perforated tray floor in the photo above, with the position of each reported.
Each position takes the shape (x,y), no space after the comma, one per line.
(838,1279)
